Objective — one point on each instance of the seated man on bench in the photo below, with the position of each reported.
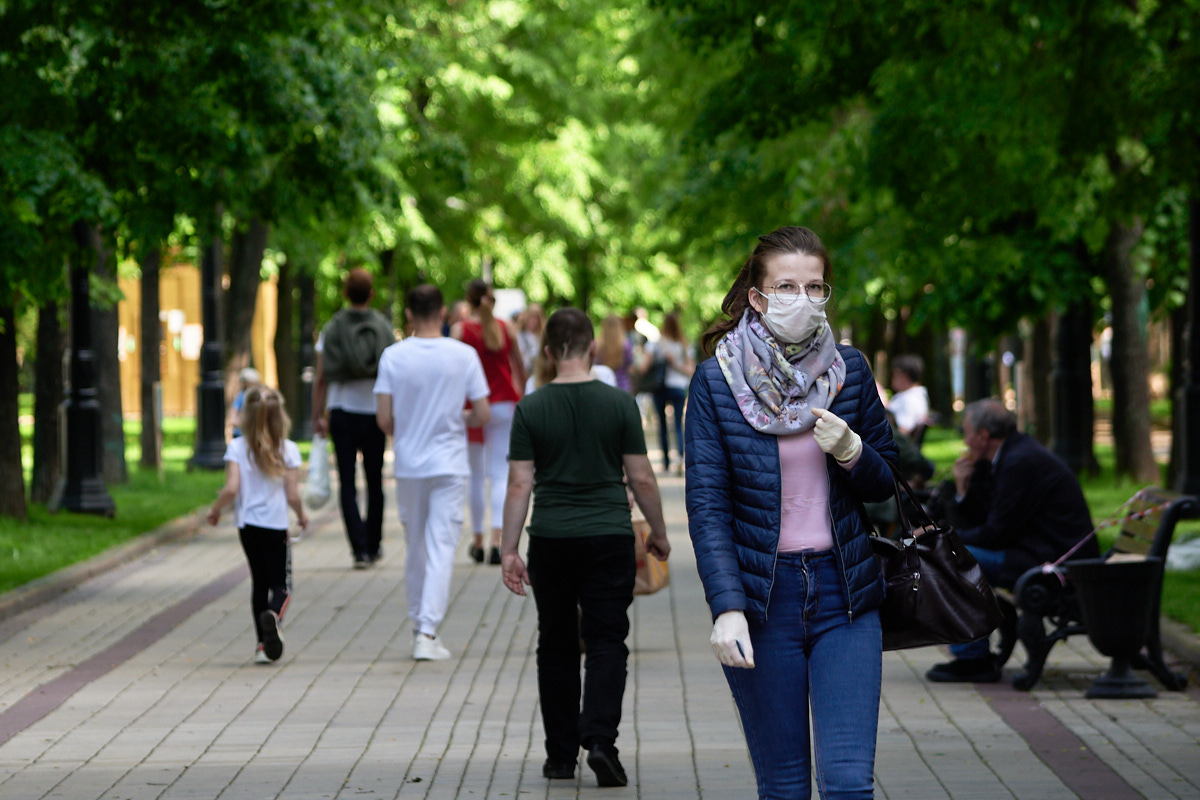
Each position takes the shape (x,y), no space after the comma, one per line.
(1015,505)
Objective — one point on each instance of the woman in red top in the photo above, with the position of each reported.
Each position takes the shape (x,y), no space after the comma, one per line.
(501,356)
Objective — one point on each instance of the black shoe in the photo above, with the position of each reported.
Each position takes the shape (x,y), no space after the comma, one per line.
(603,761)
(494,557)
(361,561)
(477,553)
(272,637)
(552,769)
(377,556)
(965,670)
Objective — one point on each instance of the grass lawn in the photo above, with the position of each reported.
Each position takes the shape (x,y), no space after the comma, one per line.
(47,542)
(1105,494)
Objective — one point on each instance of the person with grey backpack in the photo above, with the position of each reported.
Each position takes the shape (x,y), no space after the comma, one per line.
(348,352)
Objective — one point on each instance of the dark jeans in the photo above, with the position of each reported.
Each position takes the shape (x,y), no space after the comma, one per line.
(594,574)
(673,397)
(991,562)
(353,434)
(270,560)
(810,656)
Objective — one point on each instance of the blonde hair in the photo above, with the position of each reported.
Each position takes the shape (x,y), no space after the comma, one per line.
(265,425)
(612,342)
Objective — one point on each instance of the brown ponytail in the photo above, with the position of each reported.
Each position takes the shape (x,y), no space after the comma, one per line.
(493,336)
(788,239)
(265,425)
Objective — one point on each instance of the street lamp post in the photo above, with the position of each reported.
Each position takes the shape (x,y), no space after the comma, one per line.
(210,394)
(1187,399)
(83,488)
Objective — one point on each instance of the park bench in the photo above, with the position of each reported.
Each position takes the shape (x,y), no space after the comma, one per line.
(1042,608)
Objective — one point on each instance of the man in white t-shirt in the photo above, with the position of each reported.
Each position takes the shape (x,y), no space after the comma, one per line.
(910,403)
(423,384)
(348,352)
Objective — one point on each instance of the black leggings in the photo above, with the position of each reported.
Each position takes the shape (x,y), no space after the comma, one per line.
(270,560)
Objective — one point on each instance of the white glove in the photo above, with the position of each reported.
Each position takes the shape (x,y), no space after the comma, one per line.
(835,437)
(730,640)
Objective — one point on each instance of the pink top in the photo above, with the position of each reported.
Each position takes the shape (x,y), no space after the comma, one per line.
(805,523)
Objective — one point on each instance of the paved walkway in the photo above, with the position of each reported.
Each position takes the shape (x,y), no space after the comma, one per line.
(138,684)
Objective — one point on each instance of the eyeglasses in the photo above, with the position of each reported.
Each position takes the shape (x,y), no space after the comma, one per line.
(817,292)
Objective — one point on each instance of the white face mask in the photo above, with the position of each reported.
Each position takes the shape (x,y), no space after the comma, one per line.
(792,324)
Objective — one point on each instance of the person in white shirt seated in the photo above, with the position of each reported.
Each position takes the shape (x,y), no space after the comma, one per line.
(910,403)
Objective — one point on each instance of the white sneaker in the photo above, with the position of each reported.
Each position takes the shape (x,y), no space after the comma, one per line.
(260,657)
(426,649)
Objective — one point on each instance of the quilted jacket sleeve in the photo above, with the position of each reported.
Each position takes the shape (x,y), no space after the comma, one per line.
(709,501)
(871,477)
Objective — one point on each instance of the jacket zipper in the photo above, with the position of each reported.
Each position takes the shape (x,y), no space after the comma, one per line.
(775,556)
(841,561)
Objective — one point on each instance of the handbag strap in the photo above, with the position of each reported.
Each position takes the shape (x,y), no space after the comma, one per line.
(901,486)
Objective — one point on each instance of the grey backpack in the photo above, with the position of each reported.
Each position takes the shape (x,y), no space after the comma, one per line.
(354,341)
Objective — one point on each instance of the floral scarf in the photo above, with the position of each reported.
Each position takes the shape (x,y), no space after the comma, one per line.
(777,386)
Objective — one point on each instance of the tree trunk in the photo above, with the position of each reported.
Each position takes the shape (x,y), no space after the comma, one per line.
(48,386)
(12,476)
(105,340)
(245,275)
(286,363)
(150,357)
(1130,357)
(1038,357)
(390,284)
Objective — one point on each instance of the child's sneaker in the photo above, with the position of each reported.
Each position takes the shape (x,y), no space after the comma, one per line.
(426,649)
(260,656)
(272,636)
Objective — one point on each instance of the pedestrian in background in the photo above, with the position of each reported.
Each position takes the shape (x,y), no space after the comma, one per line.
(574,441)
(424,382)
(261,474)
(679,363)
(785,436)
(529,334)
(616,351)
(501,356)
(248,378)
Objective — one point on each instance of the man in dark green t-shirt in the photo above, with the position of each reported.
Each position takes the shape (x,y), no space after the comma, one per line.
(574,441)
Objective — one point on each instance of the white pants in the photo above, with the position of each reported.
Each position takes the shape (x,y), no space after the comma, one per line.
(490,461)
(431,510)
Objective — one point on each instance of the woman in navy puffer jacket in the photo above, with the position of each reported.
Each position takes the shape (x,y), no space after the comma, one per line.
(785,437)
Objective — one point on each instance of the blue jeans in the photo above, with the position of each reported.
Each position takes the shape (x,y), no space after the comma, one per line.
(809,654)
(991,562)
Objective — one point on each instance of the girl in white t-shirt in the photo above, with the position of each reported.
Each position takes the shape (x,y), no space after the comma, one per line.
(261,468)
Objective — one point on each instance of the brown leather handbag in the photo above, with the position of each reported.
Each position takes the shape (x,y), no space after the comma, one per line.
(936,592)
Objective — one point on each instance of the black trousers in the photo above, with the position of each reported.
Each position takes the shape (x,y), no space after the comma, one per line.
(353,434)
(270,560)
(592,574)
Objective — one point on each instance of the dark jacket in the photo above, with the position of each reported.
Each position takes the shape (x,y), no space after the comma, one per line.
(1027,504)
(734,486)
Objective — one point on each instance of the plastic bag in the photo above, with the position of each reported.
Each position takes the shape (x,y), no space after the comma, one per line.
(316,485)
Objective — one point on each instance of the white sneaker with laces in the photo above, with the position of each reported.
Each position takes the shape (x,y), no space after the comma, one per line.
(426,649)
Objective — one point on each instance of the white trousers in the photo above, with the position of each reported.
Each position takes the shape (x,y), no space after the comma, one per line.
(431,510)
(490,461)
